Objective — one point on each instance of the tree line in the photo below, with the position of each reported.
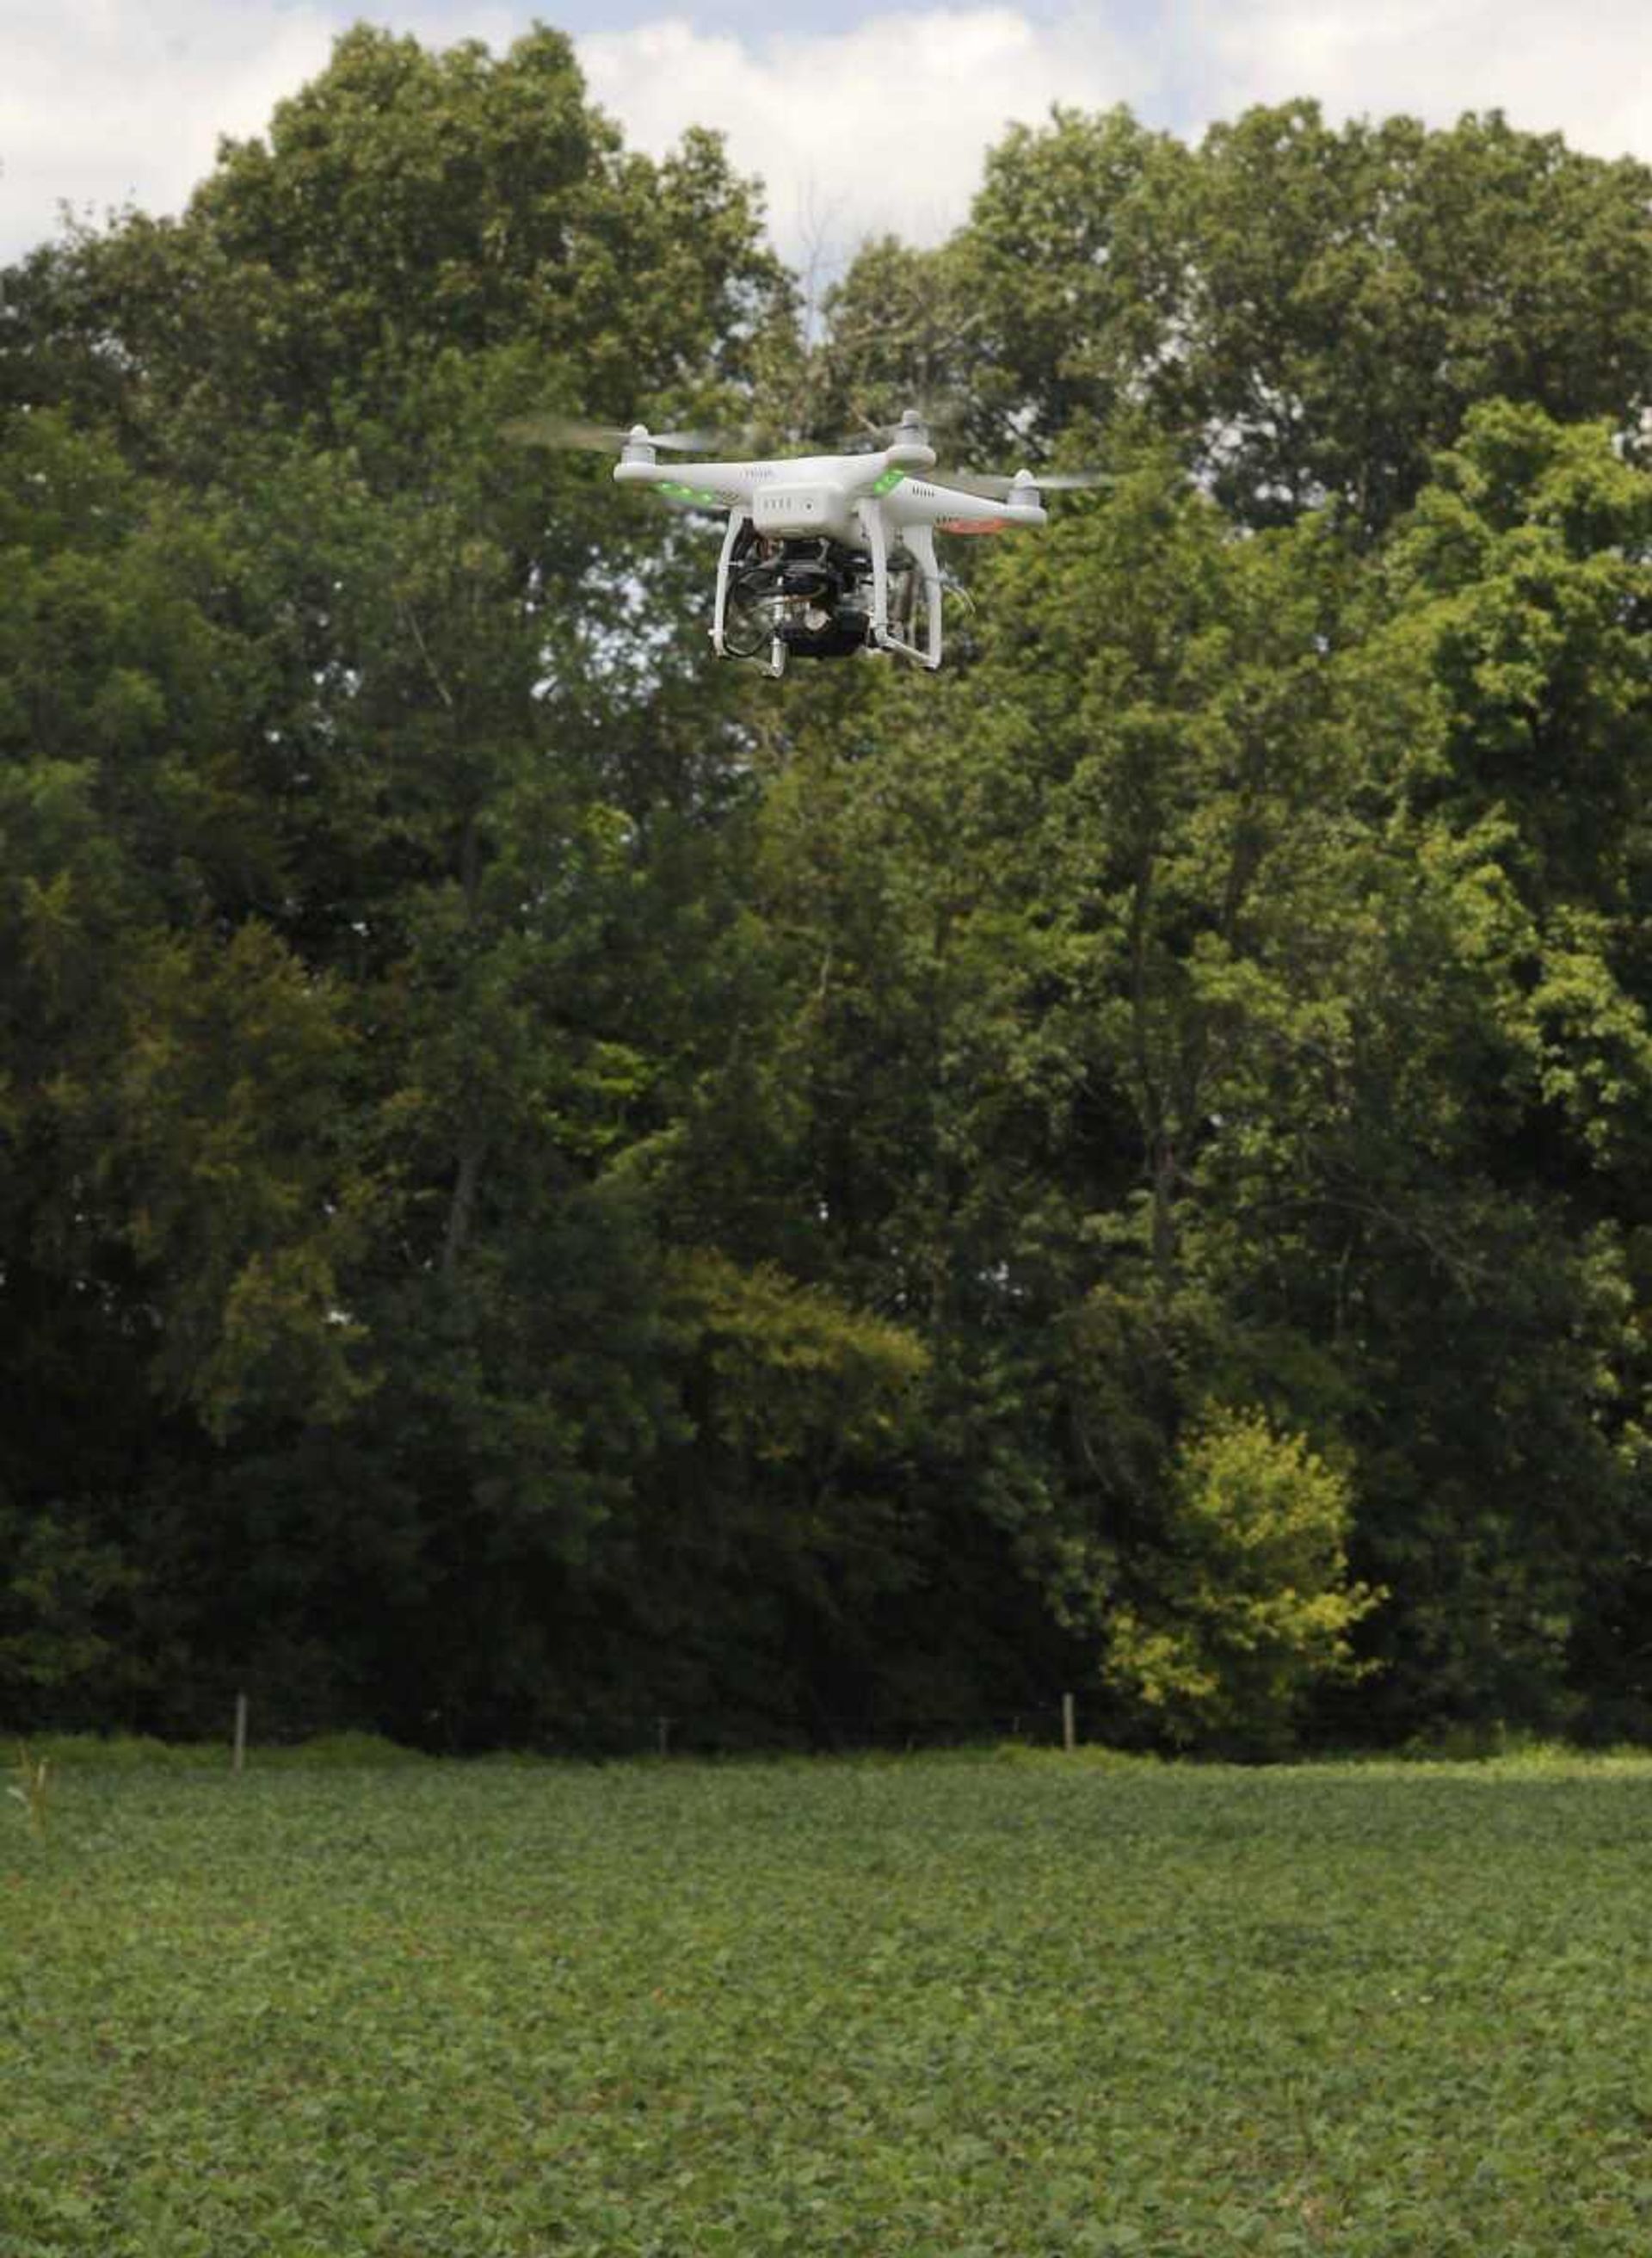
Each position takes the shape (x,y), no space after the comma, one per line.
(544,1179)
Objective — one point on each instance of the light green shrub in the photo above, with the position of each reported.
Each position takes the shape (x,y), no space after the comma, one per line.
(1249,1605)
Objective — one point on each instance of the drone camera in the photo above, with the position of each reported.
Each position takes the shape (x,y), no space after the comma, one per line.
(806,595)
(820,630)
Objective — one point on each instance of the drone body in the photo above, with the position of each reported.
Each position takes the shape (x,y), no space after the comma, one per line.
(822,555)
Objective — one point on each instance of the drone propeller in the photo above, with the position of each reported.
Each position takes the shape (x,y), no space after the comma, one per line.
(869,437)
(992,486)
(546,429)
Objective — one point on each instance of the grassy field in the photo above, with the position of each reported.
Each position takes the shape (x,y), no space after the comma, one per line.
(1034,2007)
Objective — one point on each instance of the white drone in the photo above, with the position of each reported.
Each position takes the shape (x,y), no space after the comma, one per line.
(816,546)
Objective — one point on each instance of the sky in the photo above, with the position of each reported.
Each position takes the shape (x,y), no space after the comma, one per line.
(859,119)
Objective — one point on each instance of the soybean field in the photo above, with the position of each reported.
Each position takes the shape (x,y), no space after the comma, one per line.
(1032,2005)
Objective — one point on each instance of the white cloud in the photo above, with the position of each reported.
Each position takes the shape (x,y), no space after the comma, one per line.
(101,103)
(1582,69)
(881,127)
(106,102)
(884,127)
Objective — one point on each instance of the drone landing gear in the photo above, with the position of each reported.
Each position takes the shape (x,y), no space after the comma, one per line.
(739,523)
(920,547)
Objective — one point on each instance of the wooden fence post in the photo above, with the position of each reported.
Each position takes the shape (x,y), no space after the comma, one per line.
(1069,1726)
(240,1732)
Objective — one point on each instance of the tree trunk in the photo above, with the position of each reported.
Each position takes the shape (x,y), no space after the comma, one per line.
(463,1206)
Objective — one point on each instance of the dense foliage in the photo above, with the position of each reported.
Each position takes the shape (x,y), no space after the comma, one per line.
(1027,2009)
(545,1183)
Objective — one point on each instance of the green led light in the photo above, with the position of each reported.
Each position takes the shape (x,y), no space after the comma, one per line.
(890,478)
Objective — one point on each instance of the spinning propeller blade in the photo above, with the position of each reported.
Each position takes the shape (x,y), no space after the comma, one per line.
(869,437)
(546,429)
(992,486)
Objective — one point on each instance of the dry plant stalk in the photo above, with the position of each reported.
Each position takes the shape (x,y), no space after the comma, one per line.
(30,1787)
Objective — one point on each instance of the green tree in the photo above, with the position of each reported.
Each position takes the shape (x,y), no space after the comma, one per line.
(1311,310)
(585,1185)
(1356,291)
(350,858)
(407,203)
